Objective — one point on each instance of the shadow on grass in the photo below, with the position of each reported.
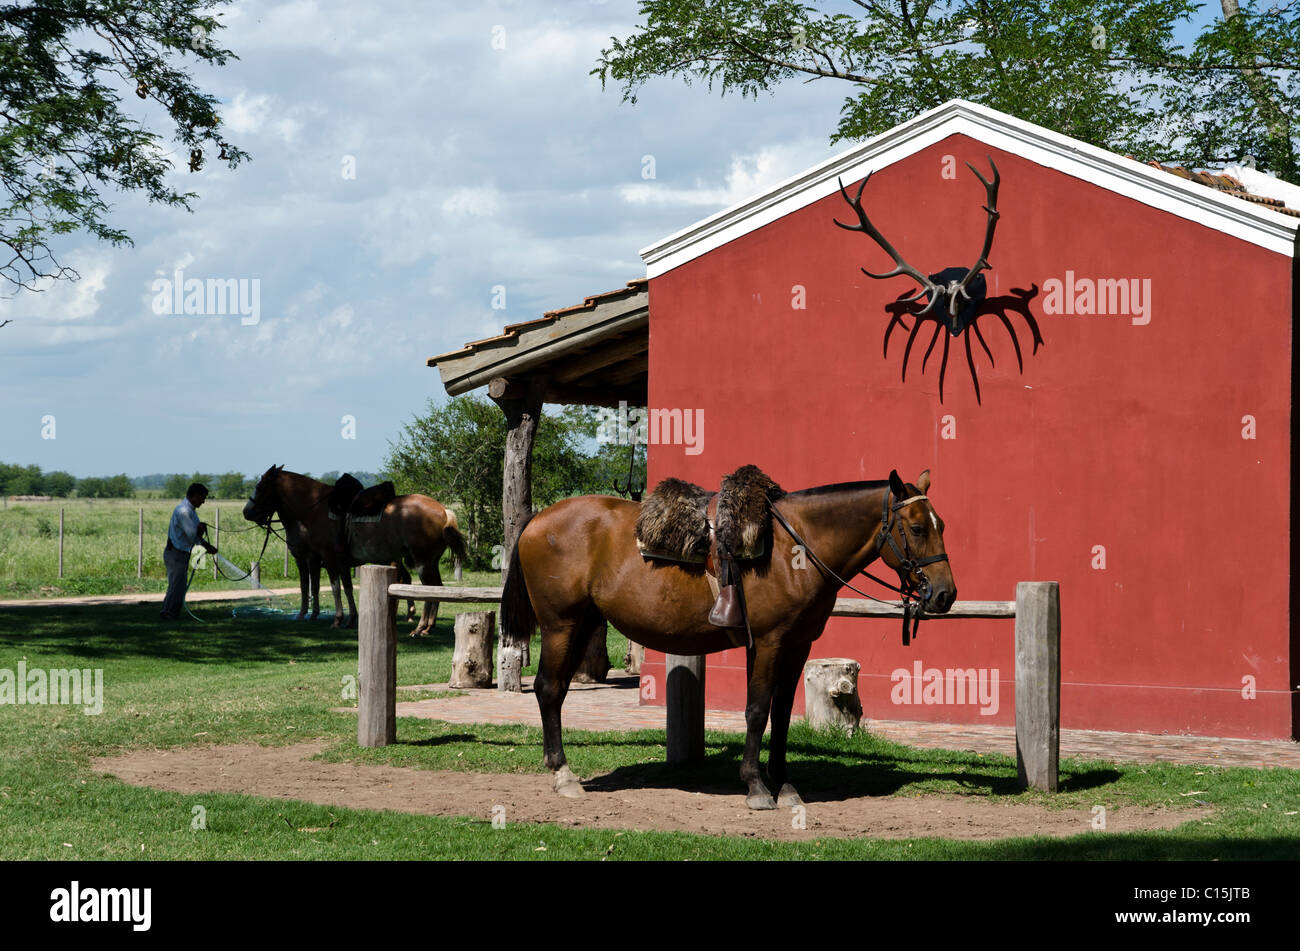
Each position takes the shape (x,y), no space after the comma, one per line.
(823,769)
(109,632)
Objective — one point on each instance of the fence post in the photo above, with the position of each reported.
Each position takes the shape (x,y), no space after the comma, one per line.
(286,559)
(216,540)
(377,657)
(1038,684)
(139,553)
(685,708)
(60,543)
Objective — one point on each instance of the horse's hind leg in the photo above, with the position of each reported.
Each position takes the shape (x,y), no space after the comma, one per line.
(564,644)
(788,672)
(404,577)
(313,569)
(429,576)
(304,584)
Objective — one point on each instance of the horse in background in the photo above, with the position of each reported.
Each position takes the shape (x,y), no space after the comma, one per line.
(412,531)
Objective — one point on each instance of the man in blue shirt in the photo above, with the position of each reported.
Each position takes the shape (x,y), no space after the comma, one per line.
(184,532)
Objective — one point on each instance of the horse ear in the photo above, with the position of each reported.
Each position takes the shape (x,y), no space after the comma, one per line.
(896,485)
(923,482)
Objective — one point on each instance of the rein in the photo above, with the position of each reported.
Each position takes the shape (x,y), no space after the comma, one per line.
(913,596)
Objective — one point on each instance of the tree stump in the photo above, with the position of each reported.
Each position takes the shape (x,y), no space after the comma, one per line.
(595,666)
(830,688)
(471,661)
(634,658)
(510,666)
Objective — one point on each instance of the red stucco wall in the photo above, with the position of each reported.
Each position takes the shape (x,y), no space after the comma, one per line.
(1116,435)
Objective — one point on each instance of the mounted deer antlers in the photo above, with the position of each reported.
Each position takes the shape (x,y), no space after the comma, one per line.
(962,291)
(955,292)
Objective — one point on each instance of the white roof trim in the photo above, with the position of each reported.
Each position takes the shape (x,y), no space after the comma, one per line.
(1150,186)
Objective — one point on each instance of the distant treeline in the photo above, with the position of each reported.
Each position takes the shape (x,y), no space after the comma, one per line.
(30,480)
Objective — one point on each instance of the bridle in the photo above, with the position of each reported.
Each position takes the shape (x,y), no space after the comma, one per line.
(909,568)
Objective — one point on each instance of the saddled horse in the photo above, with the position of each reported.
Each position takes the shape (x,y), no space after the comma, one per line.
(412,530)
(576,565)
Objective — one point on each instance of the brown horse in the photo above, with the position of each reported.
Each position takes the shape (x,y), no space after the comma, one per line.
(576,566)
(413,530)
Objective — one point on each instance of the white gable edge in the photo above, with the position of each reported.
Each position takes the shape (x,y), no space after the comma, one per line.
(1150,186)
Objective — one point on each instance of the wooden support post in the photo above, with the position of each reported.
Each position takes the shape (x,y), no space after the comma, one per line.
(286,559)
(685,708)
(60,543)
(830,694)
(471,660)
(521,401)
(1038,684)
(377,657)
(216,540)
(139,554)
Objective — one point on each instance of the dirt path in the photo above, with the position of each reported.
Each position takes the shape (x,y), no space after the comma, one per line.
(146,597)
(289,773)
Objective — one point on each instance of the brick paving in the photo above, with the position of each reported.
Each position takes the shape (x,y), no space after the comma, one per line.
(615,706)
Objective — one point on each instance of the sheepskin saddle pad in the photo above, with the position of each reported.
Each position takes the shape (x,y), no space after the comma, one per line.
(673,524)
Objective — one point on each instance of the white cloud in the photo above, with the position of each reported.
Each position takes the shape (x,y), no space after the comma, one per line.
(747,176)
(475,202)
(246,113)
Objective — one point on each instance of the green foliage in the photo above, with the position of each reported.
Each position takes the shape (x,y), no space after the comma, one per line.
(60,484)
(232,485)
(113,487)
(1105,71)
(67,136)
(455,453)
(20,480)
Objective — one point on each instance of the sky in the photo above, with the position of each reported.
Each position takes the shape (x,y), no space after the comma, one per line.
(473,166)
(408,159)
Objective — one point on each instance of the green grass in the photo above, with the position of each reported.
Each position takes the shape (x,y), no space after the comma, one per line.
(101,548)
(266,679)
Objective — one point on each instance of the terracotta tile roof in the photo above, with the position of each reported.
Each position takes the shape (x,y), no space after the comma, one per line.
(549,317)
(1224,182)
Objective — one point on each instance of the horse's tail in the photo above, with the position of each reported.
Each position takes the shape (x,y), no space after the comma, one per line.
(518,620)
(455,541)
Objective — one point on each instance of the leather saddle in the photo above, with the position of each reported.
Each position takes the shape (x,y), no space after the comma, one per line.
(681,522)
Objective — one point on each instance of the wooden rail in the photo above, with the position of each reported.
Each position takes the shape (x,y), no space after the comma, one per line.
(1036,611)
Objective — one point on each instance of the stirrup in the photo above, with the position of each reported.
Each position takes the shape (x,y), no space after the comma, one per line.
(726,610)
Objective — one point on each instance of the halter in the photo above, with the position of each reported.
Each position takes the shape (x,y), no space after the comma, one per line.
(913,596)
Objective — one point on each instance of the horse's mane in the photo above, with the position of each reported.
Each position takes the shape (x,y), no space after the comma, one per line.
(836,487)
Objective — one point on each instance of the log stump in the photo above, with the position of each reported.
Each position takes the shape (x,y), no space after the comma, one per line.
(471,661)
(510,667)
(595,665)
(830,687)
(634,658)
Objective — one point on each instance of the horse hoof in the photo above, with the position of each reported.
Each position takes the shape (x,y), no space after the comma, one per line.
(567,785)
(760,801)
(788,797)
